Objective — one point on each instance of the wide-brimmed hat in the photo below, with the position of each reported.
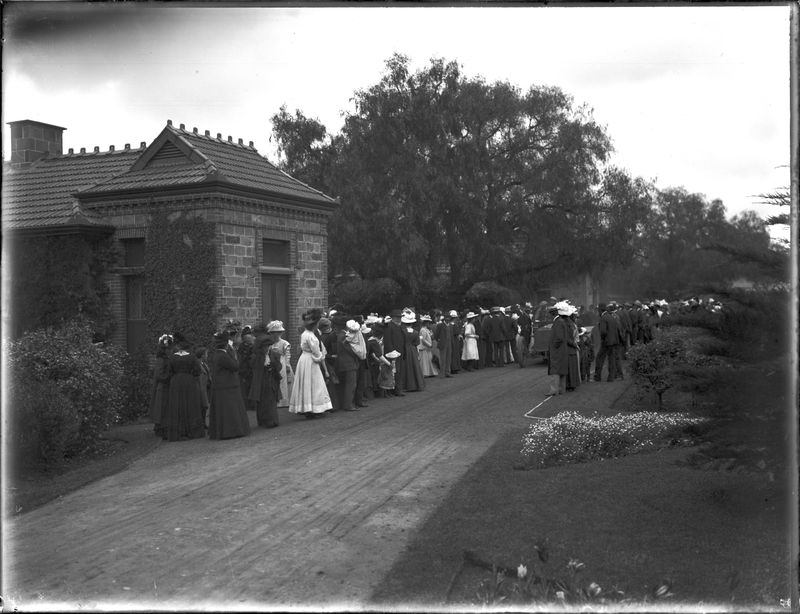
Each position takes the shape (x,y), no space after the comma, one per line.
(373,318)
(471,314)
(324,325)
(563,308)
(453,313)
(425,318)
(393,354)
(353,326)
(408,318)
(276,326)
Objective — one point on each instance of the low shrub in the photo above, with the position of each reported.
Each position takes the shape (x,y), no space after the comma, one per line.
(137,383)
(652,364)
(45,424)
(571,437)
(88,374)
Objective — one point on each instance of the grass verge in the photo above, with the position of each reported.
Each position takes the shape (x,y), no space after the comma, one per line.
(717,533)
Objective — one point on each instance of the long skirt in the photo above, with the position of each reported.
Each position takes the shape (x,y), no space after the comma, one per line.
(309,392)
(413,379)
(267,404)
(573,371)
(184,416)
(227,417)
(426,362)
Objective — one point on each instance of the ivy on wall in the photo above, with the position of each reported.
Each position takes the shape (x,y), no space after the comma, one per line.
(179,273)
(58,278)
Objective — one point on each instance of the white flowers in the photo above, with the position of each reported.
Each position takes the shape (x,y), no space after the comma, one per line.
(522,571)
(575,565)
(574,437)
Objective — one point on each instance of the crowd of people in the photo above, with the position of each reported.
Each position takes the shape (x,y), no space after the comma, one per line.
(347,361)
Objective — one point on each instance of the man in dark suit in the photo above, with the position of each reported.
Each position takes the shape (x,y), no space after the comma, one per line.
(395,340)
(525,329)
(609,342)
(497,337)
(347,365)
(443,335)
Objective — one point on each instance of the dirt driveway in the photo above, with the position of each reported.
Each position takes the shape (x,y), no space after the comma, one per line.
(311,514)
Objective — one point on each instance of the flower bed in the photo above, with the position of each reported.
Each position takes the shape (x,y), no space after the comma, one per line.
(571,437)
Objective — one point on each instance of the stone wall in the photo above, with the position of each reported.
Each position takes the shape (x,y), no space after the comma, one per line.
(241,225)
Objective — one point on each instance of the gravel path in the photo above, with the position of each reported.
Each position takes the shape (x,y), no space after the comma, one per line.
(309,515)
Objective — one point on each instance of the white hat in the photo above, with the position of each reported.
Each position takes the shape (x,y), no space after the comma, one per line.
(563,308)
(372,318)
(471,315)
(453,313)
(353,326)
(425,318)
(276,326)
(393,354)
(408,317)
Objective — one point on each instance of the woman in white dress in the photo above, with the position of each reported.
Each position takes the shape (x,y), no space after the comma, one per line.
(469,353)
(309,394)
(284,349)
(426,348)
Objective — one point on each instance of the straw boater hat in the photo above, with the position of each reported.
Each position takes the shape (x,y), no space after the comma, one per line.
(425,318)
(471,314)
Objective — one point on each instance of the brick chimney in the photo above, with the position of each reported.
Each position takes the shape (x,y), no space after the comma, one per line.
(30,140)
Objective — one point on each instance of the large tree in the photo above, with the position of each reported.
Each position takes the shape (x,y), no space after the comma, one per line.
(436,171)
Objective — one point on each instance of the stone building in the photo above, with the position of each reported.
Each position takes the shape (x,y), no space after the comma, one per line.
(270,229)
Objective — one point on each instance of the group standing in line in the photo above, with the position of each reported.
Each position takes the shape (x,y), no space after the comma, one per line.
(345,361)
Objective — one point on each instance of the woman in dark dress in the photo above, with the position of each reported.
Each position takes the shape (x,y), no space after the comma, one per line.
(227,417)
(184,416)
(266,377)
(160,396)
(413,380)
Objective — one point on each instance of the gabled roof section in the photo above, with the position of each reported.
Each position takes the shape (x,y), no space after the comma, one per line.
(182,158)
(40,195)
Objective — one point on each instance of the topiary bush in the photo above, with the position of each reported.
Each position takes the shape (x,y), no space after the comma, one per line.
(571,437)
(88,374)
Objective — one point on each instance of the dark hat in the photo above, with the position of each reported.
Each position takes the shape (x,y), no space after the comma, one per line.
(221,339)
(396,313)
(312,315)
(324,325)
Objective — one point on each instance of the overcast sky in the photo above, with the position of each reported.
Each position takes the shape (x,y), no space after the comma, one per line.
(691,96)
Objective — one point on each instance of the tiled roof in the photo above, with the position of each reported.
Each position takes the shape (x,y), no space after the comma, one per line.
(40,195)
(211,158)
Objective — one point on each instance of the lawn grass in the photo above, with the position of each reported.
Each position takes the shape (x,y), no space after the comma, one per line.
(719,537)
